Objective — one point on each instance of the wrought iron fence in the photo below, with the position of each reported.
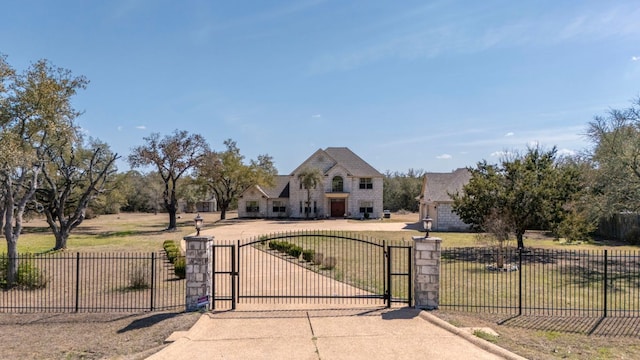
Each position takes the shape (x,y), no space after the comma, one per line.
(91,282)
(602,283)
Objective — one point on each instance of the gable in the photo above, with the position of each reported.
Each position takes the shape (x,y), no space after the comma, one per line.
(438,186)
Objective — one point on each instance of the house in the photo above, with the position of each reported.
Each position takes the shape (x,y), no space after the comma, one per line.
(350,188)
(435,200)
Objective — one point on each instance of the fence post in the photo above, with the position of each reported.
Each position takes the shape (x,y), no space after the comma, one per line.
(198,272)
(427,272)
(605,287)
(520,281)
(77,281)
(153,277)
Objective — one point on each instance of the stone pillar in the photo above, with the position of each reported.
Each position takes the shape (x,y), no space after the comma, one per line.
(427,272)
(198,272)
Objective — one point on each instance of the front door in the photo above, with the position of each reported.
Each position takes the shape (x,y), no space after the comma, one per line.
(337,207)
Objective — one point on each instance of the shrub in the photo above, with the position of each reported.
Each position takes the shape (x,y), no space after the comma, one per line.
(633,236)
(138,277)
(28,276)
(318,258)
(329,263)
(180,267)
(171,249)
(308,255)
(294,251)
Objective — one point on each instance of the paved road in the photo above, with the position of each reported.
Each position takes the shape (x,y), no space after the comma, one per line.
(303,331)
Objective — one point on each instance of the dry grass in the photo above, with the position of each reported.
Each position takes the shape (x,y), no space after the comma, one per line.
(549,338)
(136,336)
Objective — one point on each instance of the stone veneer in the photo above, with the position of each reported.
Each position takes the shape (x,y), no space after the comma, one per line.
(427,272)
(198,272)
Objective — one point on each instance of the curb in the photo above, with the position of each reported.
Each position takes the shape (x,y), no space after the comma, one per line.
(481,343)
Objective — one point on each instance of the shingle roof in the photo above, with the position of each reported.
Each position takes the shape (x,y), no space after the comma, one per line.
(281,188)
(440,185)
(352,162)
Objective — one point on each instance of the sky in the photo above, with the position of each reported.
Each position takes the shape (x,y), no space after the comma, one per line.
(423,85)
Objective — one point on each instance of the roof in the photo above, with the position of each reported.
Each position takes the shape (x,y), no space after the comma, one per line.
(280,190)
(440,185)
(342,156)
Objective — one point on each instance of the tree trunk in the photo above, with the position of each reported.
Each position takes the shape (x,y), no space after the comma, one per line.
(223,213)
(12,265)
(520,236)
(172,220)
(61,240)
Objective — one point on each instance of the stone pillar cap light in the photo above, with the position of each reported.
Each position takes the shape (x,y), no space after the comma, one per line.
(427,222)
(198,220)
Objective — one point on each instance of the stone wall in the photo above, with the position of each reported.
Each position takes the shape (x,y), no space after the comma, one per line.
(427,272)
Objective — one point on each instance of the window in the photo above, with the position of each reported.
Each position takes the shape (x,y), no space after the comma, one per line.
(366,183)
(279,207)
(366,207)
(337,184)
(252,206)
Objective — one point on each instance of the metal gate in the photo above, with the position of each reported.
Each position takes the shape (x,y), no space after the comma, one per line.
(312,268)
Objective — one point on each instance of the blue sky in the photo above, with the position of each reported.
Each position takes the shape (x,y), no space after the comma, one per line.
(432,85)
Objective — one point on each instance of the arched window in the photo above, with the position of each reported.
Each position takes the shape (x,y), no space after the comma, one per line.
(337,184)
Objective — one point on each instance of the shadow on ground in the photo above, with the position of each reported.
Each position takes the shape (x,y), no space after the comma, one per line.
(146,322)
(607,327)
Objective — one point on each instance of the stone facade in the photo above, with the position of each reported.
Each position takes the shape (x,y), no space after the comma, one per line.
(448,220)
(360,194)
(427,272)
(198,272)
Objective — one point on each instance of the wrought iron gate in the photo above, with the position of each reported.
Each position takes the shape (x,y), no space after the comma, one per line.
(312,268)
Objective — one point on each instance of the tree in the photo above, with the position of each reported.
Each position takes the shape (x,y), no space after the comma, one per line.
(401,189)
(172,156)
(226,175)
(616,160)
(310,178)
(523,192)
(35,107)
(73,177)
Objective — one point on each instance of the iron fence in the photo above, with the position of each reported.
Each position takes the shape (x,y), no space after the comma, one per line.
(91,282)
(547,282)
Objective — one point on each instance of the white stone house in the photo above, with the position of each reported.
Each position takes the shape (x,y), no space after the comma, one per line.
(435,200)
(350,188)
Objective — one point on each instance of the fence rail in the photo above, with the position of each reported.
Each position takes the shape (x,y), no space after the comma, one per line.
(547,282)
(91,282)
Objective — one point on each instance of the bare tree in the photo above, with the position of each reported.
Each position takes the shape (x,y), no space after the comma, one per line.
(172,156)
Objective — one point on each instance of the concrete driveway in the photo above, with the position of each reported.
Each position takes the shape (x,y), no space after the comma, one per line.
(304,331)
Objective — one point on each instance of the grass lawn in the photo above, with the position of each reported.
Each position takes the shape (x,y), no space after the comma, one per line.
(134,232)
(534,338)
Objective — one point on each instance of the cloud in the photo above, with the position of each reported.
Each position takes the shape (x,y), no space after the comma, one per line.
(566,152)
(501,154)
(141,127)
(444,157)
(635,58)
(509,134)
(119,128)
(316,116)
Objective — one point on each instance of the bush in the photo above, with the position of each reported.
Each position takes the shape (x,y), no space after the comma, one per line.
(294,251)
(308,255)
(318,258)
(28,276)
(138,277)
(632,236)
(172,250)
(329,263)
(180,267)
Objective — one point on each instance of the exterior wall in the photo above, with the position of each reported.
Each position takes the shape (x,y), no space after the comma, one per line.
(297,195)
(447,220)
(248,196)
(356,195)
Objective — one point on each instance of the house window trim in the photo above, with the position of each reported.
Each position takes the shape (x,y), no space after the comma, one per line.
(366,184)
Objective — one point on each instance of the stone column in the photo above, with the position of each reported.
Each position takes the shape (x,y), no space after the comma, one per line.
(198,272)
(427,272)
